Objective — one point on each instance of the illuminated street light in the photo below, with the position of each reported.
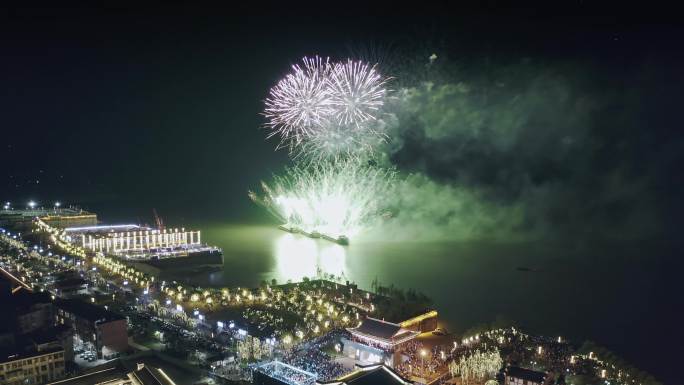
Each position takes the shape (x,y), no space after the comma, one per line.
(32,204)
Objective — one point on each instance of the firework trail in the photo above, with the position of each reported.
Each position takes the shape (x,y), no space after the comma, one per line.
(338,197)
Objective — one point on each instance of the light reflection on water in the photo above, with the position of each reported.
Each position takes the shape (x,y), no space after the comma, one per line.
(544,287)
(298,257)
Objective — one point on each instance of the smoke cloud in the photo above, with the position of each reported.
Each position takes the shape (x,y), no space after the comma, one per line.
(520,152)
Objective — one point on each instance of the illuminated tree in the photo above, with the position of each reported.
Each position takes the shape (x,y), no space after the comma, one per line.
(476,366)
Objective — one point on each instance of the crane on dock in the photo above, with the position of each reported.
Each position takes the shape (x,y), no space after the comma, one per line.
(158,220)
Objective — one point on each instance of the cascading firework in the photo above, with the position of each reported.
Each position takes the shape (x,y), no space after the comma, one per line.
(334,198)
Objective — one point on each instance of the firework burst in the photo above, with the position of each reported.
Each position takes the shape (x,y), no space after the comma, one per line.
(356,93)
(328,116)
(299,105)
(326,109)
(332,197)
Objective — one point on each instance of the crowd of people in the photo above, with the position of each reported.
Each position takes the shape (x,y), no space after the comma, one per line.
(288,375)
(310,356)
(421,361)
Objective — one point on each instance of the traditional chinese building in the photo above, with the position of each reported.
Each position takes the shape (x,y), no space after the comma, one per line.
(370,374)
(376,341)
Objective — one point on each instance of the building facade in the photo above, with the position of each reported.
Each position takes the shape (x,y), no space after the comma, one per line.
(37,367)
(97,329)
(376,341)
(140,240)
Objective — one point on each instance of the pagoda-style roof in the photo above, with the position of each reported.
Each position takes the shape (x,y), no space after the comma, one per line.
(377,374)
(382,331)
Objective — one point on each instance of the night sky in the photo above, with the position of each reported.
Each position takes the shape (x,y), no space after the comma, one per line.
(121,110)
(534,125)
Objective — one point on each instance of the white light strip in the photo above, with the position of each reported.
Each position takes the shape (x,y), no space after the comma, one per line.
(165,376)
(388,370)
(19,281)
(100,227)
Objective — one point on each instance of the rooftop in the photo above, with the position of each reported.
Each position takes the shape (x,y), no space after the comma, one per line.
(525,374)
(377,328)
(42,212)
(87,311)
(116,370)
(24,299)
(151,376)
(44,336)
(70,283)
(371,375)
(383,331)
(9,355)
(110,371)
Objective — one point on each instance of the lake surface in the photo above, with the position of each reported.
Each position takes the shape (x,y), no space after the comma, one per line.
(625,297)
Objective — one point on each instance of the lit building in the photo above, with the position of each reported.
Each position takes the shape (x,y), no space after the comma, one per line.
(97,329)
(376,341)
(141,240)
(32,367)
(32,349)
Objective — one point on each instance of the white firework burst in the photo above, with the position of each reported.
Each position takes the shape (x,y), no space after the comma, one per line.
(299,104)
(357,93)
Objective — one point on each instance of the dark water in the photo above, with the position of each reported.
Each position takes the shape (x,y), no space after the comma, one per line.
(624,297)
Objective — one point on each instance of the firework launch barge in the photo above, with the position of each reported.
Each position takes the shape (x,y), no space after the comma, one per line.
(340,240)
